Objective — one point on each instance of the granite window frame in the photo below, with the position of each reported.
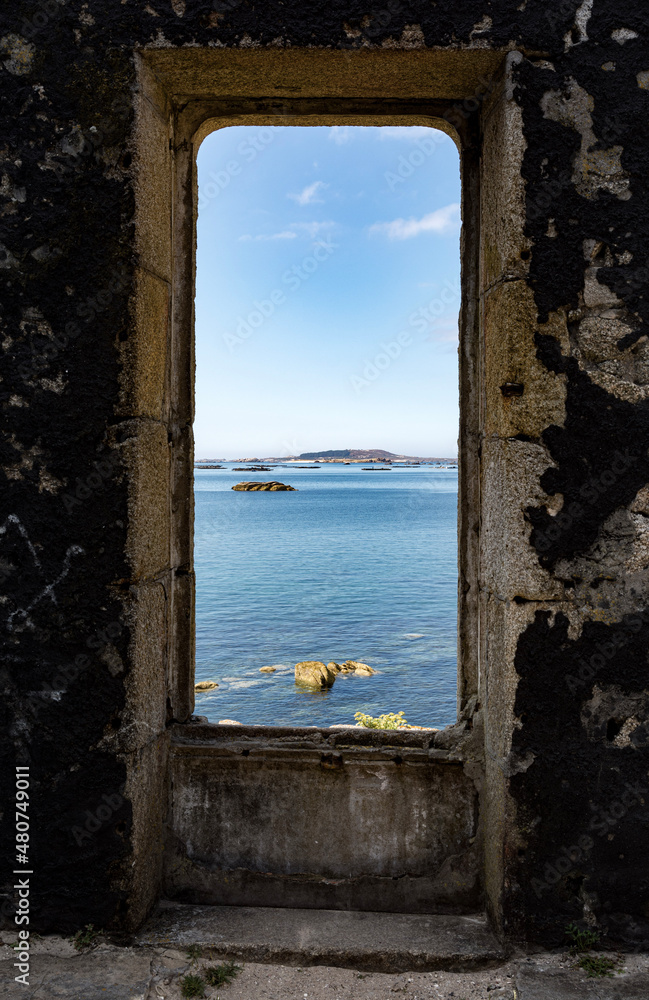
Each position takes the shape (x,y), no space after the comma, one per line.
(182,96)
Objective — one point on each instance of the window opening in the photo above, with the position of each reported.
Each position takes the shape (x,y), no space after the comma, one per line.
(327,299)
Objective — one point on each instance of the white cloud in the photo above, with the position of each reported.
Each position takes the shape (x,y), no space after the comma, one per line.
(340,134)
(442,221)
(313,228)
(309,194)
(286,234)
(296,229)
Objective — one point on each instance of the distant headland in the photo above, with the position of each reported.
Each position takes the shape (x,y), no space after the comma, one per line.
(346,456)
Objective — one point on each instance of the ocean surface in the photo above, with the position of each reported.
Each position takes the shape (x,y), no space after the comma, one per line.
(353,566)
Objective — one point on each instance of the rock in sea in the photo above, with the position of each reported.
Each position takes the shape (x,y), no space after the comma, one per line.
(267,670)
(314,674)
(271,487)
(354,666)
(205,686)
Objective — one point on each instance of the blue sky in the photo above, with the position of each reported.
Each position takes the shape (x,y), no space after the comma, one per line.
(327,291)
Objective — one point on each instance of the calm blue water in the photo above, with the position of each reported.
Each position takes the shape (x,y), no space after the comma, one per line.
(355,565)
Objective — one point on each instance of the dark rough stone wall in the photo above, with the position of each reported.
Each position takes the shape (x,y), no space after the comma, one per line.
(67,259)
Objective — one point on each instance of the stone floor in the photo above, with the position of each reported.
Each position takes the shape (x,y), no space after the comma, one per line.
(154,969)
(359,940)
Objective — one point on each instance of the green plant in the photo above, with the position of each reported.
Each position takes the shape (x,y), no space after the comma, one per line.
(192,986)
(85,939)
(194,951)
(582,941)
(390,721)
(220,975)
(597,965)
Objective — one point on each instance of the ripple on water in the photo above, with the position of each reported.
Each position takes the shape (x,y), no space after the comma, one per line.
(348,567)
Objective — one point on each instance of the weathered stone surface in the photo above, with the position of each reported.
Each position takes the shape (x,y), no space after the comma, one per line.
(408,809)
(314,674)
(534,982)
(356,667)
(401,947)
(271,487)
(510,325)
(367,941)
(512,470)
(143,814)
(351,667)
(106,973)
(548,104)
(145,448)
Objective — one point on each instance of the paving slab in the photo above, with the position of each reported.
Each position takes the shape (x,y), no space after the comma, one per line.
(368,941)
(102,974)
(541,982)
(155,972)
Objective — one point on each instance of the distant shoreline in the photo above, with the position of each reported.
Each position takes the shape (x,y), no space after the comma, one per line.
(352,457)
(447,463)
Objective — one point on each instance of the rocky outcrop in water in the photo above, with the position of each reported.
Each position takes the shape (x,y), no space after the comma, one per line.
(351,667)
(205,686)
(314,674)
(271,487)
(356,667)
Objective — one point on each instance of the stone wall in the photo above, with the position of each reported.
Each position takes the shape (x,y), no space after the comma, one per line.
(322,819)
(103,106)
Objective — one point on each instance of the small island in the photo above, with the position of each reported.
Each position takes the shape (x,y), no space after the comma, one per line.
(253,468)
(270,487)
(317,674)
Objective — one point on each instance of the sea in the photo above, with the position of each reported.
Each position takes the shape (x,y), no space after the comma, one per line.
(354,565)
